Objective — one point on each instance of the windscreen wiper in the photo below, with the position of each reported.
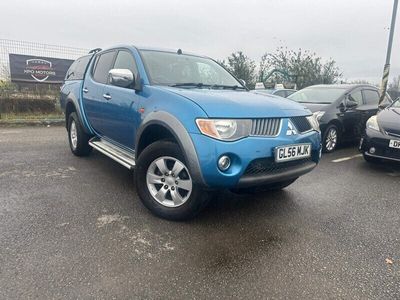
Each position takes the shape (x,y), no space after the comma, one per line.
(312,102)
(233,87)
(198,84)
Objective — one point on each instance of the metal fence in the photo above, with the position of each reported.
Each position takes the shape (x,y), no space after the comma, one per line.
(32,48)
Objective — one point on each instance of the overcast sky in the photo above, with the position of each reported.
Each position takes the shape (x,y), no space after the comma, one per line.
(353,32)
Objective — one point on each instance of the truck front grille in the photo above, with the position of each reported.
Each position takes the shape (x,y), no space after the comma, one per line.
(266,127)
(301,124)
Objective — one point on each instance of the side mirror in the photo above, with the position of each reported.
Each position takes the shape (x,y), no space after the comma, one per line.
(121,77)
(342,107)
(243,82)
(350,102)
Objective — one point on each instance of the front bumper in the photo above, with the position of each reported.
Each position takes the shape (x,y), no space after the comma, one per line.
(380,144)
(280,174)
(252,159)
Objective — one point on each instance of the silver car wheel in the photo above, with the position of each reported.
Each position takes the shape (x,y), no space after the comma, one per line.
(331,139)
(73,135)
(169,181)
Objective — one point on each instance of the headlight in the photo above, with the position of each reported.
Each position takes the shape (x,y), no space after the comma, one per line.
(372,123)
(318,115)
(224,129)
(313,122)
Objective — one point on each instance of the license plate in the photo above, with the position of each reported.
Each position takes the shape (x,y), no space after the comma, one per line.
(292,152)
(394,144)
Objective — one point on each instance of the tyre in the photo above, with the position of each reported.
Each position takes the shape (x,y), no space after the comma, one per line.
(164,183)
(276,186)
(330,139)
(78,139)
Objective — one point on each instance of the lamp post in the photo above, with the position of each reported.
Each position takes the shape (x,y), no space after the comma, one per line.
(386,68)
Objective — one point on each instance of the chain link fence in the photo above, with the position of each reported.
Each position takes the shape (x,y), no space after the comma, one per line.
(28,98)
(36,49)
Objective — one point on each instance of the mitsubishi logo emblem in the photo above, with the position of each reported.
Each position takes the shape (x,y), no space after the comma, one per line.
(291,129)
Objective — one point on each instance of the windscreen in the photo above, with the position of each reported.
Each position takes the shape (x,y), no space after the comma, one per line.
(317,95)
(167,68)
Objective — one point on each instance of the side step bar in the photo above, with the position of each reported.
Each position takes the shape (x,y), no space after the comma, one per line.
(125,158)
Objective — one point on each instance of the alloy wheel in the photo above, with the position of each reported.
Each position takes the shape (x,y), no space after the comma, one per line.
(331,139)
(169,181)
(73,135)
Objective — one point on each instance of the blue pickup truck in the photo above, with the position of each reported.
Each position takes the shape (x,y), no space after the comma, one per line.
(186,125)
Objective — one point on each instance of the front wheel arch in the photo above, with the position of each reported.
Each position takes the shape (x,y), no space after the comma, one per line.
(176,131)
(151,134)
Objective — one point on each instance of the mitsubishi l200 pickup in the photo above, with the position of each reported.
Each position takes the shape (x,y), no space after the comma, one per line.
(186,126)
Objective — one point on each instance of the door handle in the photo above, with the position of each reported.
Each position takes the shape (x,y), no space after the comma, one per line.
(85,90)
(107,96)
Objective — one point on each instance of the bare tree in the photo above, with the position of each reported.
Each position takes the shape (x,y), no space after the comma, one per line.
(395,84)
(242,67)
(302,67)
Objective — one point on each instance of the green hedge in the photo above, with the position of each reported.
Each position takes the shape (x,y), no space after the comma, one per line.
(28,98)
(28,105)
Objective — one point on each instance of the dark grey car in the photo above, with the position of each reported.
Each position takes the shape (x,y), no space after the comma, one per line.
(342,110)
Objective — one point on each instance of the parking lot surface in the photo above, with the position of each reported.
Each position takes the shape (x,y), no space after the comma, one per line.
(74,228)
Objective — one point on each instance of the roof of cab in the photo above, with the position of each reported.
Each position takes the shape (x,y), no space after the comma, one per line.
(145,48)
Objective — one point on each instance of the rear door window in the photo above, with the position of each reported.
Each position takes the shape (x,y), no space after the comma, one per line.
(371,97)
(77,70)
(103,64)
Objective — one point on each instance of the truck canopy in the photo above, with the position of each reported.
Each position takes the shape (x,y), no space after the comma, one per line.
(78,68)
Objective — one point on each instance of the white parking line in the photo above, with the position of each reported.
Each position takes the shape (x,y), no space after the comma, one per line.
(346,158)
(10,132)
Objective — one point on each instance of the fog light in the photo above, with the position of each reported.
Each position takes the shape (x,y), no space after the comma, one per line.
(224,162)
(372,150)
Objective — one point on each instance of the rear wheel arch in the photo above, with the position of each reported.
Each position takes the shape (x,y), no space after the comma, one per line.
(69,108)
(77,138)
(73,106)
